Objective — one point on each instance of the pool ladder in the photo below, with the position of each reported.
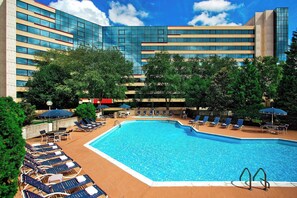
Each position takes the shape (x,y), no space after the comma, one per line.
(116,122)
(266,183)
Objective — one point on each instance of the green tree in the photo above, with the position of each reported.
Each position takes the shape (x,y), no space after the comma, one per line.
(246,90)
(29,111)
(219,93)
(49,84)
(12,144)
(86,110)
(287,92)
(270,72)
(66,76)
(162,79)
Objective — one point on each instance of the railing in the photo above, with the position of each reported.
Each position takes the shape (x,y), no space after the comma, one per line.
(266,183)
(250,177)
(116,122)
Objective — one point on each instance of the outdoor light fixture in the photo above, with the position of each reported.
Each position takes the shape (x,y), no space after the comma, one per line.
(49,104)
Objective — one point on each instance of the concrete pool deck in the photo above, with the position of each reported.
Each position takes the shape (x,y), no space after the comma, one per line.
(117,183)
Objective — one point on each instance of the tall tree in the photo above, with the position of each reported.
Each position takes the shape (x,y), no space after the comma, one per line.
(65,76)
(287,92)
(162,78)
(270,71)
(247,94)
(12,150)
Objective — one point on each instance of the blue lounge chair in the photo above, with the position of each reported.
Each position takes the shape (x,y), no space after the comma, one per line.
(151,112)
(138,113)
(47,155)
(79,194)
(215,121)
(40,150)
(82,127)
(239,124)
(61,187)
(204,121)
(157,113)
(144,113)
(164,113)
(195,120)
(96,192)
(100,122)
(59,169)
(226,123)
(48,162)
(90,123)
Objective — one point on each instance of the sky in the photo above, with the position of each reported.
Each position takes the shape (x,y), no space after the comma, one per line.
(171,12)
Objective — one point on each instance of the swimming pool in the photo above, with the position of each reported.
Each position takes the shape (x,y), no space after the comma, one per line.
(166,151)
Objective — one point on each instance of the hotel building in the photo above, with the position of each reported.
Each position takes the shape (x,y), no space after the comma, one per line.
(28,27)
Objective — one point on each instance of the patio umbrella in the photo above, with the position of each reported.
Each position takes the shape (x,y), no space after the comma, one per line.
(125,106)
(273,111)
(102,107)
(56,113)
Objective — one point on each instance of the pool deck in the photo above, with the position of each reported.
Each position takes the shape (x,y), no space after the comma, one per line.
(117,183)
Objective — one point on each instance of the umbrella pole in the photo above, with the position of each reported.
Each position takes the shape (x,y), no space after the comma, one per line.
(272,118)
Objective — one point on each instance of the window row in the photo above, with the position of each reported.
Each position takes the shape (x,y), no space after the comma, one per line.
(144,56)
(39,42)
(211,32)
(21,83)
(197,48)
(26,50)
(211,39)
(35,9)
(25,61)
(24,72)
(43,33)
(35,20)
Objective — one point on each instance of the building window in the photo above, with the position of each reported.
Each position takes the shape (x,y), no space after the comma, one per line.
(161,39)
(22,5)
(21,83)
(23,50)
(121,32)
(161,32)
(121,40)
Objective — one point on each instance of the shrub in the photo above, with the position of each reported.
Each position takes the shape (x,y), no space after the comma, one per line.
(29,111)
(87,110)
(12,149)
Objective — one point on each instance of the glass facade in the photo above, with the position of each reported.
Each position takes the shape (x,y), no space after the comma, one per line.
(129,39)
(280,33)
(84,32)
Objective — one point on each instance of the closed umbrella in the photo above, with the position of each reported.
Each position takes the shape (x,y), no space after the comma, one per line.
(273,111)
(56,113)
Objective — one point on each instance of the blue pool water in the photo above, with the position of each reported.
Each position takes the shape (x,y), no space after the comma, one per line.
(167,151)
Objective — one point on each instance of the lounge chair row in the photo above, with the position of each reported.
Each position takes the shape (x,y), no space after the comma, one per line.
(216,122)
(88,125)
(154,113)
(50,172)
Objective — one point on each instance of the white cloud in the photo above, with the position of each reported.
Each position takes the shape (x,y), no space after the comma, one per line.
(126,14)
(215,6)
(84,9)
(206,19)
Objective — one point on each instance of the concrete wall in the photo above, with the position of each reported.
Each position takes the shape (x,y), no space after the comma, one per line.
(31,131)
(264,33)
(7,48)
(2,47)
(68,122)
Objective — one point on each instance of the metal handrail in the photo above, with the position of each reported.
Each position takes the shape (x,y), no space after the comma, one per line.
(265,178)
(250,177)
(116,122)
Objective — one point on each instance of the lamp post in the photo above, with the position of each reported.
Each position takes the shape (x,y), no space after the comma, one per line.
(49,104)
